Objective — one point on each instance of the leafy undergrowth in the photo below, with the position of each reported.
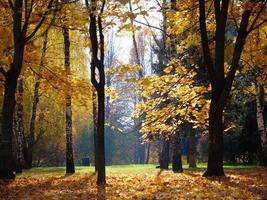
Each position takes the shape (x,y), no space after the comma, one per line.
(239,184)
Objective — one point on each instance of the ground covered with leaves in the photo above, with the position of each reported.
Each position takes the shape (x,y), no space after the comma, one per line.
(153,184)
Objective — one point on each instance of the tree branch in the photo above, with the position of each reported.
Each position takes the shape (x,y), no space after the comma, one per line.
(257,16)
(2,71)
(41,21)
(204,39)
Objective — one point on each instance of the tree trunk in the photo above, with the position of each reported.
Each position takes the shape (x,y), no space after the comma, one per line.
(164,154)
(7,163)
(192,149)
(215,156)
(148,153)
(101,178)
(20,128)
(29,150)
(69,149)
(177,154)
(141,152)
(99,85)
(261,124)
(94,104)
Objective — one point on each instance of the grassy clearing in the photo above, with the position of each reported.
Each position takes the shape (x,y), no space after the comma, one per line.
(122,169)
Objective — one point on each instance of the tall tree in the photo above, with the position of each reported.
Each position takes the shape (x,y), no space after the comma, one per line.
(19,128)
(139,147)
(262,127)
(97,63)
(69,149)
(36,97)
(20,38)
(221,80)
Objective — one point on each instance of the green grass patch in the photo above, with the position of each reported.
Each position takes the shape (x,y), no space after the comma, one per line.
(122,169)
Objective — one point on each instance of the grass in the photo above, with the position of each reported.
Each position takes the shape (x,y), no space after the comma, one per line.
(131,169)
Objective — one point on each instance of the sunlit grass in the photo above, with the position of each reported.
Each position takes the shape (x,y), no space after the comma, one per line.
(122,169)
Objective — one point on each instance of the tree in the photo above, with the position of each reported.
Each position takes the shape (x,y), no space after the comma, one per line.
(69,149)
(20,38)
(19,129)
(36,97)
(221,79)
(97,63)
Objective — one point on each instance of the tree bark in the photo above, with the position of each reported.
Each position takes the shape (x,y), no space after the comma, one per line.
(192,149)
(164,155)
(148,153)
(215,155)
(70,169)
(141,152)
(261,123)
(177,154)
(94,104)
(99,85)
(20,129)
(10,86)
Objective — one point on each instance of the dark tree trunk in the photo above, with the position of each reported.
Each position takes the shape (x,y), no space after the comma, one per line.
(141,152)
(164,155)
(99,85)
(215,156)
(11,78)
(192,149)
(70,169)
(7,163)
(94,102)
(177,154)
(221,81)
(148,153)
(101,178)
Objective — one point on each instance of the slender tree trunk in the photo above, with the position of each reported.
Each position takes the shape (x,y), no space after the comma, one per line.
(192,149)
(140,147)
(20,128)
(141,152)
(29,150)
(164,154)
(101,178)
(148,153)
(177,154)
(94,104)
(261,124)
(15,141)
(69,149)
